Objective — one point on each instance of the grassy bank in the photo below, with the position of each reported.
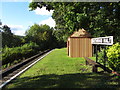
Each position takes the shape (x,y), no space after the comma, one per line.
(57,70)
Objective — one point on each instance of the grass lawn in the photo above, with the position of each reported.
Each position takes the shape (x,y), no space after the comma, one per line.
(57,70)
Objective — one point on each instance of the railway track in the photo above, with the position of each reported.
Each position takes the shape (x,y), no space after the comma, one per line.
(16,70)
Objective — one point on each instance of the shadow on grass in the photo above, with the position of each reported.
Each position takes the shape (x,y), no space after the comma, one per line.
(83,80)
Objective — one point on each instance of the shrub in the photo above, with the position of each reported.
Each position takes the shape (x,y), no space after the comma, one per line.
(113,54)
(101,56)
(10,55)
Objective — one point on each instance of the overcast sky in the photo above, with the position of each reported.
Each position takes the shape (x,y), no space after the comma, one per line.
(18,17)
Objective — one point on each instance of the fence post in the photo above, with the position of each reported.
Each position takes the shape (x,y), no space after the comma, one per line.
(94,68)
(96,54)
(105,57)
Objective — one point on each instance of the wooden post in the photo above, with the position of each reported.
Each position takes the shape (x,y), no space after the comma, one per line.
(94,68)
(96,54)
(87,62)
(105,57)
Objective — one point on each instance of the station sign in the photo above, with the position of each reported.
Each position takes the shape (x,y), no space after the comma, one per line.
(103,40)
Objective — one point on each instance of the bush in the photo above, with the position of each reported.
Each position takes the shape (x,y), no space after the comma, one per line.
(10,55)
(113,54)
(101,56)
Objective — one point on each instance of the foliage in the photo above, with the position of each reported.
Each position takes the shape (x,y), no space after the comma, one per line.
(98,18)
(113,57)
(113,54)
(10,55)
(101,56)
(61,37)
(7,30)
(9,39)
(42,35)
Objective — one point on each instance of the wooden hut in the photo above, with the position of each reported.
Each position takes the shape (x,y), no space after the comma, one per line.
(79,44)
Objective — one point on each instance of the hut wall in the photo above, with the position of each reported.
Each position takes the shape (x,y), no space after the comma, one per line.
(80,47)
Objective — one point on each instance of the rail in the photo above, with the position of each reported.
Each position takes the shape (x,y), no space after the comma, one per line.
(95,65)
(11,73)
(14,67)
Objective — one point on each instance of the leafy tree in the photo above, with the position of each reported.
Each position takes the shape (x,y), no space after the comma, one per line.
(61,37)
(42,35)
(7,30)
(100,19)
(9,39)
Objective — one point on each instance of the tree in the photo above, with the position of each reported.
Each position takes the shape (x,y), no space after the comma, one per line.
(7,30)
(42,35)
(9,39)
(100,19)
(61,37)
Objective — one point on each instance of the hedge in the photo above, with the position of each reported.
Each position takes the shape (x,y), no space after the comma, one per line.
(17,54)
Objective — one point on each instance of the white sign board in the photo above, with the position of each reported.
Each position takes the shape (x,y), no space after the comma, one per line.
(103,40)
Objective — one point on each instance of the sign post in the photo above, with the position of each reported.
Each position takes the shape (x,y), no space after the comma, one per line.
(102,41)
(96,53)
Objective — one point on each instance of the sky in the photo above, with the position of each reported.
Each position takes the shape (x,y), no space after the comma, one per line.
(18,17)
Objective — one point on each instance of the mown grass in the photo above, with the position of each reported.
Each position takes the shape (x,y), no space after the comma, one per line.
(57,70)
